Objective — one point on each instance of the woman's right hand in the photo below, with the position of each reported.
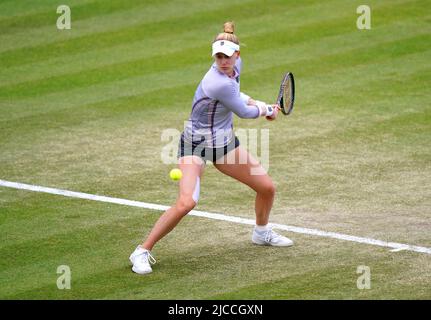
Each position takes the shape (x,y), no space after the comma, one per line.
(274,115)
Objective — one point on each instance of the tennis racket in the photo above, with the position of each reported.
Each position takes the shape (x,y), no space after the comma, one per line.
(286,95)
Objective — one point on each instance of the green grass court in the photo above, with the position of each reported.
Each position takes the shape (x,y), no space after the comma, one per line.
(84,110)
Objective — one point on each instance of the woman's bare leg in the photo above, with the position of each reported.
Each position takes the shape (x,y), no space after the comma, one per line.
(192,168)
(250,172)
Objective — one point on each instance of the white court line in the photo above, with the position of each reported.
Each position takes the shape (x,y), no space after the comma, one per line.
(217,216)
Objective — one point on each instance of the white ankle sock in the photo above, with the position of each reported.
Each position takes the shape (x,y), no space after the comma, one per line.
(140,249)
(261,228)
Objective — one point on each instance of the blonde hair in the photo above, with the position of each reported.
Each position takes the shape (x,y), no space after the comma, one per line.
(228,33)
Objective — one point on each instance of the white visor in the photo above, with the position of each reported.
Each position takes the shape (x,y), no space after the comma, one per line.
(224,46)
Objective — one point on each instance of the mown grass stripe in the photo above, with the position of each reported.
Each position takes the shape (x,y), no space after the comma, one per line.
(117,72)
(105,31)
(153,46)
(114,108)
(162,48)
(12,9)
(214,216)
(381,109)
(183,26)
(97,93)
(10,140)
(297,48)
(190,20)
(80,10)
(369,134)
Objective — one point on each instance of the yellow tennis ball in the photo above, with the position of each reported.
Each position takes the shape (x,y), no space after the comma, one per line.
(175,174)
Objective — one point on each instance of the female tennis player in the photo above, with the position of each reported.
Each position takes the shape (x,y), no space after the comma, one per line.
(209,135)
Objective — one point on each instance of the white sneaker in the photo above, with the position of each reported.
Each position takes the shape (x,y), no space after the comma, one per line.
(142,259)
(270,238)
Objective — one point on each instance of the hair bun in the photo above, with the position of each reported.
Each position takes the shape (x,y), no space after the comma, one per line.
(229,27)
(228,33)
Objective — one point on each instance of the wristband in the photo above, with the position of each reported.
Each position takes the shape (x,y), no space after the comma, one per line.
(266,110)
(269,110)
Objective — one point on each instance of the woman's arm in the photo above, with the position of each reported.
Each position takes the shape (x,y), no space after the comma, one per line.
(243,106)
(261,105)
(231,98)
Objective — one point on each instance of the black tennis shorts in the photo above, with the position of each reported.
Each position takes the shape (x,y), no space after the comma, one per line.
(211,154)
